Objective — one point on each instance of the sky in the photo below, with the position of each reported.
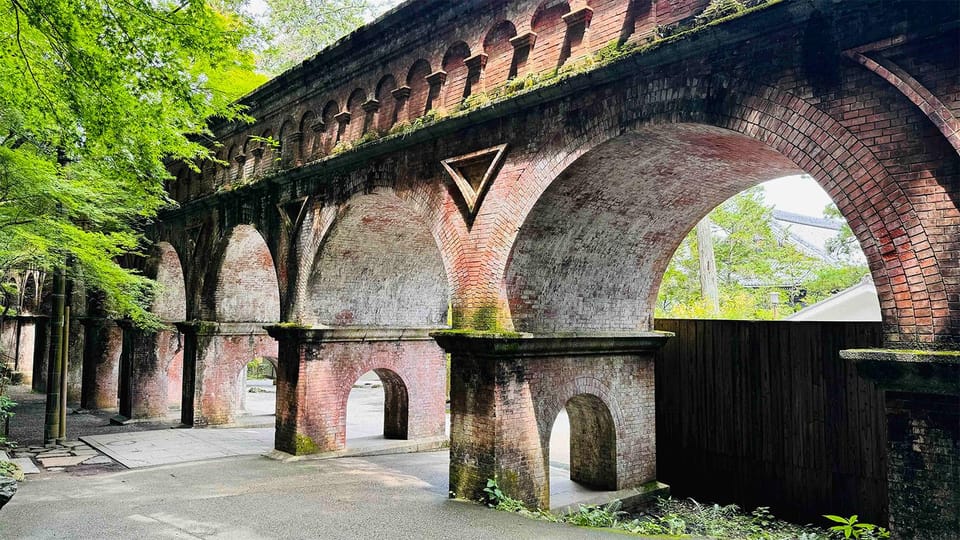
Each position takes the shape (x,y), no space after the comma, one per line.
(800,194)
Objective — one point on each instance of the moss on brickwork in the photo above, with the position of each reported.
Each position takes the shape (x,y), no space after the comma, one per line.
(304,445)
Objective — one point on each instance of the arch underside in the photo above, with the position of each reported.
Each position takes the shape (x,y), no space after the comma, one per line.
(591,252)
(247,289)
(378,266)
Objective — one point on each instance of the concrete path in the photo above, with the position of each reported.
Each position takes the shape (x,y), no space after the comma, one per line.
(239,498)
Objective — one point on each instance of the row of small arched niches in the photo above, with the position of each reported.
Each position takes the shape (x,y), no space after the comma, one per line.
(557,32)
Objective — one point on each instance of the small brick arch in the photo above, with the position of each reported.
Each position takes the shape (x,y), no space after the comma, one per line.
(419,89)
(330,136)
(245,287)
(457,72)
(387,114)
(396,406)
(355,107)
(284,152)
(378,265)
(306,149)
(551,32)
(499,51)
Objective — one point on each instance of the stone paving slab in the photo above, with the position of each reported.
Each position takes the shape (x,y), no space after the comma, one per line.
(64,461)
(166,446)
(26,465)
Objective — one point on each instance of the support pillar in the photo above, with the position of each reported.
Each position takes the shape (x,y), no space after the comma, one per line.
(506,390)
(145,357)
(922,392)
(318,367)
(215,367)
(103,344)
(74,359)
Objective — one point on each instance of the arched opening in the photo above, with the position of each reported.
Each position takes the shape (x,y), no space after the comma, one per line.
(379,266)
(419,89)
(377,407)
(330,127)
(387,113)
(284,153)
(30,294)
(246,296)
(170,306)
(551,31)
(779,250)
(582,454)
(308,138)
(354,129)
(593,249)
(500,57)
(453,64)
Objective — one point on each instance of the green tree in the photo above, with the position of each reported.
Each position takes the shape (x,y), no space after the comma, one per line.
(753,261)
(294,30)
(95,98)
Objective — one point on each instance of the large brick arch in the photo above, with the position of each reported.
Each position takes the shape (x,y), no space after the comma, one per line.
(245,287)
(379,265)
(902,261)
(170,304)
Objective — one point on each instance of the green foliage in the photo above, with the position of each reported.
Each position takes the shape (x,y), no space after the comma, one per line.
(10,469)
(851,528)
(294,30)
(670,517)
(95,99)
(718,9)
(749,251)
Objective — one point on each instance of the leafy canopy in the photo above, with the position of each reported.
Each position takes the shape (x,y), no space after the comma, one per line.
(95,97)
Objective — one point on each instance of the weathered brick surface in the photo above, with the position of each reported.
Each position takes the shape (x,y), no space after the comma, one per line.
(103,345)
(924,474)
(503,406)
(18,342)
(144,363)
(889,168)
(215,362)
(605,172)
(315,376)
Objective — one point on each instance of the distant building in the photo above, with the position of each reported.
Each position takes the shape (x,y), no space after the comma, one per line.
(858,303)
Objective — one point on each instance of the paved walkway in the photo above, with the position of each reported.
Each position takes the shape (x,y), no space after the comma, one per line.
(246,498)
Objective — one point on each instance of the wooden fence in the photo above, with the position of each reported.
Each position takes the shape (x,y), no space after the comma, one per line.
(768,414)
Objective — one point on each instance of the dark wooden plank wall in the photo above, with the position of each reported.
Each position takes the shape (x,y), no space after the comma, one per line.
(768,414)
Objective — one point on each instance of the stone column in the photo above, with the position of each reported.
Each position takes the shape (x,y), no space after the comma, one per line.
(103,344)
(144,383)
(923,438)
(318,367)
(74,360)
(214,369)
(507,390)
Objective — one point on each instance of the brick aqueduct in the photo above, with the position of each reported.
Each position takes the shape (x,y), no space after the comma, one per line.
(527,169)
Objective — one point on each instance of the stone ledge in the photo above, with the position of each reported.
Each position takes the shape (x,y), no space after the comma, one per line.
(632,500)
(371,447)
(935,372)
(213,328)
(492,345)
(305,334)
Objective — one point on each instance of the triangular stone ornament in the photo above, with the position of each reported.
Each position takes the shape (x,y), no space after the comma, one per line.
(292,213)
(473,173)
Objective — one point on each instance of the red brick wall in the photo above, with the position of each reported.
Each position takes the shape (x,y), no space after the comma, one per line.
(494,402)
(246,286)
(315,379)
(378,266)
